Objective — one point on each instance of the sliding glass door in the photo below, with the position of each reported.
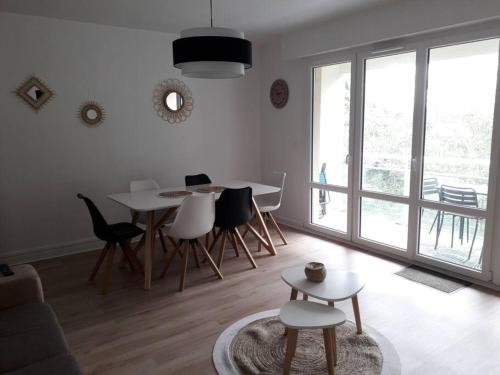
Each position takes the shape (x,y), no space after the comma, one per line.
(385,140)
(458,131)
(331,134)
(403,152)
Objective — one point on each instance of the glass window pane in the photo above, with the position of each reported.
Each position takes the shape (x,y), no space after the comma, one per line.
(332,98)
(329,209)
(451,238)
(459,121)
(388,123)
(384,222)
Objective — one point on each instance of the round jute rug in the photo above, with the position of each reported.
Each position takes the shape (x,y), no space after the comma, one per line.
(256,345)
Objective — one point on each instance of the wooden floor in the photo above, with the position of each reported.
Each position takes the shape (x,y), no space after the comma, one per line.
(162,331)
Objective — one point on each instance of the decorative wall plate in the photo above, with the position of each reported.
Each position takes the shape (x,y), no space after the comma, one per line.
(279,93)
(173,101)
(35,92)
(92,114)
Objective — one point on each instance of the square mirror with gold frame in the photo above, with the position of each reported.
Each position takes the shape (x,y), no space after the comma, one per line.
(34,92)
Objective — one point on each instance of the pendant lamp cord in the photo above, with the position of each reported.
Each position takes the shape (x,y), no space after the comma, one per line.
(211,17)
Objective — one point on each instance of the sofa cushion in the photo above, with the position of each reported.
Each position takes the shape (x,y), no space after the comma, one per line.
(29,333)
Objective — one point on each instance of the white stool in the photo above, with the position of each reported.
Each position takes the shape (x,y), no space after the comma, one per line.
(297,315)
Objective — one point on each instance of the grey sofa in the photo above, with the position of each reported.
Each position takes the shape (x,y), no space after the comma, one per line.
(31,339)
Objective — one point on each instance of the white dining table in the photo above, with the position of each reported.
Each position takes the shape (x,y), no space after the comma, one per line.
(150,201)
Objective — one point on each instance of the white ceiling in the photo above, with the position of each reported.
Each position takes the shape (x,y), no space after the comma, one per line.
(258,18)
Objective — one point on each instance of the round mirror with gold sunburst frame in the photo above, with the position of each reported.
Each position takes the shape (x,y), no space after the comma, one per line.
(173,101)
(92,114)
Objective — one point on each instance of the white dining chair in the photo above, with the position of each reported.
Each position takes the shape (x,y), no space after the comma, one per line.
(194,219)
(268,203)
(139,218)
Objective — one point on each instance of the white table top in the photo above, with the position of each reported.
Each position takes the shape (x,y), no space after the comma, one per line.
(149,200)
(337,286)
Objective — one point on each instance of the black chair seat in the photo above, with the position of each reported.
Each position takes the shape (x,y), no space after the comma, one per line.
(123,231)
(233,208)
(197,179)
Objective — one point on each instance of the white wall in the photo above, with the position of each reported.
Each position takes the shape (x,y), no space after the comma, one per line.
(394,19)
(284,133)
(48,157)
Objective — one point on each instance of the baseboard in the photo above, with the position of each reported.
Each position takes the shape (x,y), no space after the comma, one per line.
(50,251)
(299,226)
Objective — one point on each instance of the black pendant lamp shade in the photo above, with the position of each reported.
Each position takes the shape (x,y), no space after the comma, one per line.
(212,52)
(212,48)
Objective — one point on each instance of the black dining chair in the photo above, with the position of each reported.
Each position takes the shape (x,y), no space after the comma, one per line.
(197,179)
(430,187)
(113,234)
(461,197)
(232,209)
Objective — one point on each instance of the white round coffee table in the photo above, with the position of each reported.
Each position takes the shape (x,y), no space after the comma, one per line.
(337,286)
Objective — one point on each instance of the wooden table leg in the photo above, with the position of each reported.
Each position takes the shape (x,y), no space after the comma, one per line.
(148,249)
(293,297)
(357,316)
(267,236)
(291,345)
(305,297)
(330,362)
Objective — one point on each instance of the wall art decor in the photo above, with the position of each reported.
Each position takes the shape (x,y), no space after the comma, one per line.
(35,92)
(92,114)
(173,101)
(279,93)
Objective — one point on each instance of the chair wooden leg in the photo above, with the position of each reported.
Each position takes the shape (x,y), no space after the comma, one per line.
(100,259)
(168,260)
(174,244)
(207,239)
(261,233)
(195,254)
(214,241)
(129,253)
(246,229)
(210,260)
(327,337)
(185,257)
(291,345)
(278,229)
(109,268)
(162,241)
(245,248)
(234,243)
(221,252)
(126,256)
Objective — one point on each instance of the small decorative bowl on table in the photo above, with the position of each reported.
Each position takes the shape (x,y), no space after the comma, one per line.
(315,272)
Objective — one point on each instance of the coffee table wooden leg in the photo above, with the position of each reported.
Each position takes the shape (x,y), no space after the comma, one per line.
(293,297)
(148,251)
(357,316)
(291,345)
(305,297)
(331,303)
(333,334)
(327,336)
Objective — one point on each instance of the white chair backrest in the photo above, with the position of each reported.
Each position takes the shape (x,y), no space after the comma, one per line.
(195,217)
(279,181)
(140,185)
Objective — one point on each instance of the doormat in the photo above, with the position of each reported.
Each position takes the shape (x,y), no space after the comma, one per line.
(433,279)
